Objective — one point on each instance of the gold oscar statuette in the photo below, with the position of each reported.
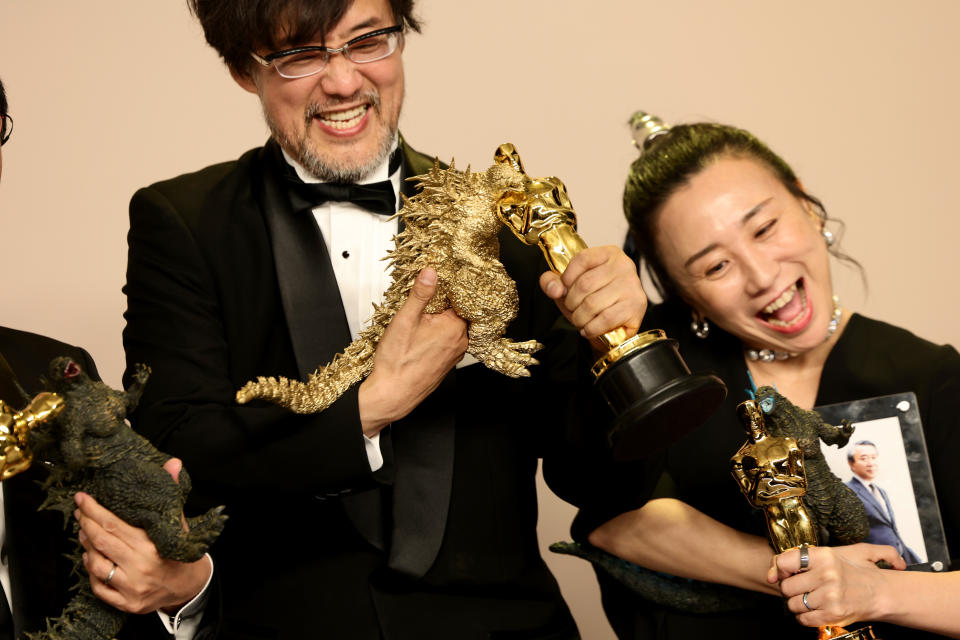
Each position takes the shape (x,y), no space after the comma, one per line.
(642,376)
(769,472)
(15,455)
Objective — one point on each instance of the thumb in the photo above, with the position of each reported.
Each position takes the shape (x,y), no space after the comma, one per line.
(173,467)
(423,289)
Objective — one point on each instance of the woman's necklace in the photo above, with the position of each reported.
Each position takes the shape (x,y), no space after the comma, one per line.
(769,355)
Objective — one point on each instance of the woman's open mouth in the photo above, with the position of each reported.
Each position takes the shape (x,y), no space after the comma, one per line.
(790,312)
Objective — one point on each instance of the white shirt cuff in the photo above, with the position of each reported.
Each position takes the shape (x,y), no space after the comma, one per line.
(183,625)
(374,456)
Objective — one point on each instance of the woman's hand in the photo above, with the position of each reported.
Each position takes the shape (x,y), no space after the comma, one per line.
(125,569)
(842,584)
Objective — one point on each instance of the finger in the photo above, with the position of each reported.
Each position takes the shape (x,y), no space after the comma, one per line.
(420,294)
(798,584)
(107,593)
(552,286)
(885,552)
(773,573)
(90,512)
(585,261)
(99,567)
(788,563)
(795,603)
(594,321)
(173,467)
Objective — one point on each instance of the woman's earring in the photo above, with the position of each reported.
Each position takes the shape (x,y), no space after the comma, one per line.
(700,326)
(828,236)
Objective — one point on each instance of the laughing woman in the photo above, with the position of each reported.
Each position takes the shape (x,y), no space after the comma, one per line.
(741,255)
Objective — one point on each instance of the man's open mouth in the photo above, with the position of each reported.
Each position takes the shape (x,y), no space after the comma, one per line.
(344,119)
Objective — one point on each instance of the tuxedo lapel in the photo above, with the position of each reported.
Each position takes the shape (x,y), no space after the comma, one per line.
(312,307)
(308,287)
(423,445)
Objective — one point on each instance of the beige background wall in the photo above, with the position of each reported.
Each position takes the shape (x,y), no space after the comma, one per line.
(861,96)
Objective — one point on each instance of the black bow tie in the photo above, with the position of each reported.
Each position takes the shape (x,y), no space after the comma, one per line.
(376,197)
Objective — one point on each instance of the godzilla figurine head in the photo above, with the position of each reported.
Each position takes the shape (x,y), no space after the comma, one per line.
(65,374)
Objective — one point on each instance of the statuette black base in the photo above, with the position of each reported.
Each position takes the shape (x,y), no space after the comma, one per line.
(656,399)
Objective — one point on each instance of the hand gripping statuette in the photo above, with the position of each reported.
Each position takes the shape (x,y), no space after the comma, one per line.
(643,378)
(770,471)
(78,432)
(451,226)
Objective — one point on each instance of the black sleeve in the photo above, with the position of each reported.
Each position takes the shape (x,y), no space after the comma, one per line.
(175,325)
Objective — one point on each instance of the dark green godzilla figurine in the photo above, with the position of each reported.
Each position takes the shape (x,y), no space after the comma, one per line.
(834,507)
(89,447)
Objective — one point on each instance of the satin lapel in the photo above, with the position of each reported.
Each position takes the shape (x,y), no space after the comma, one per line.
(313,308)
(308,287)
(423,447)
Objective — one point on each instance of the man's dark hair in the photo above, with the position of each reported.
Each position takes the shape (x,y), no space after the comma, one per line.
(236,27)
(857,444)
(3,98)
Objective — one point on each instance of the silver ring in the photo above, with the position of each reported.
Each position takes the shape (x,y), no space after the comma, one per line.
(114,571)
(804,557)
(805,603)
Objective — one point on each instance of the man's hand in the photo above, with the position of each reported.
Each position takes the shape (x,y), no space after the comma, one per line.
(143,581)
(842,585)
(598,292)
(415,353)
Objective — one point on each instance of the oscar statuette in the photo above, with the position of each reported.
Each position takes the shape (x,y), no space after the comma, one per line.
(769,471)
(654,396)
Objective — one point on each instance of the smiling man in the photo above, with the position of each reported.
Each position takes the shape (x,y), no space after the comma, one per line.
(407,509)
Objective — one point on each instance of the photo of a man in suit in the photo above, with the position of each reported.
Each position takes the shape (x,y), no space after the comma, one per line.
(864,460)
(408,508)
(35,573)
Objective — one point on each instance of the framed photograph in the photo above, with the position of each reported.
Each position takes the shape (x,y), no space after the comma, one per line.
(886,465)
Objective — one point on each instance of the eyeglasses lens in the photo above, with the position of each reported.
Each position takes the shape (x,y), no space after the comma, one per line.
(361,51)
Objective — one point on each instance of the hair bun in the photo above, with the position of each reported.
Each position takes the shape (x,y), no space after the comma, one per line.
(645,128)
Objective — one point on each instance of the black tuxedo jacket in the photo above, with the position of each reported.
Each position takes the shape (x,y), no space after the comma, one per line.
(36,541)
(226,282)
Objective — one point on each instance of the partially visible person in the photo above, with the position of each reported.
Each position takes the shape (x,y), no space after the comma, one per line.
(843,584)
(124,567)
(864,460)
(741,255)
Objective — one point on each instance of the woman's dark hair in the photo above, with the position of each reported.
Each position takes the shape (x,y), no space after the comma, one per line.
(236,27)
(670,161)
(3,98)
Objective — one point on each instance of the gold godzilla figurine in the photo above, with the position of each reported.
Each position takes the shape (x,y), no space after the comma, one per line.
(451,226)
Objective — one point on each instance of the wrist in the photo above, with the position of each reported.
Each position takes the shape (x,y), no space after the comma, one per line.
(194,578)
(372,406)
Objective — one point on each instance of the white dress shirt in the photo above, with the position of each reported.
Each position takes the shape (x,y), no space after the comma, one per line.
(357,241)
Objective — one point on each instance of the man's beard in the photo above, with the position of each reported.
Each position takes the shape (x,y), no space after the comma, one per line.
(334,169)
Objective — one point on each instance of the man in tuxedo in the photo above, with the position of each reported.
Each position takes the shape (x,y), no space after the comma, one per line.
(407,509)
(125,570)
(863,459)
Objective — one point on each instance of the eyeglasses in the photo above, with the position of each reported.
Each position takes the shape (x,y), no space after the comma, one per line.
(6,128)
(301,62)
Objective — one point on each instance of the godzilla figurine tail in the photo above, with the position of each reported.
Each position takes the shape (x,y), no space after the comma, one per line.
(86,617)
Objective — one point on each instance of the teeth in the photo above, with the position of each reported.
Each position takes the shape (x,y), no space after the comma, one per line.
(782,301)
(344,119)
(796,319)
